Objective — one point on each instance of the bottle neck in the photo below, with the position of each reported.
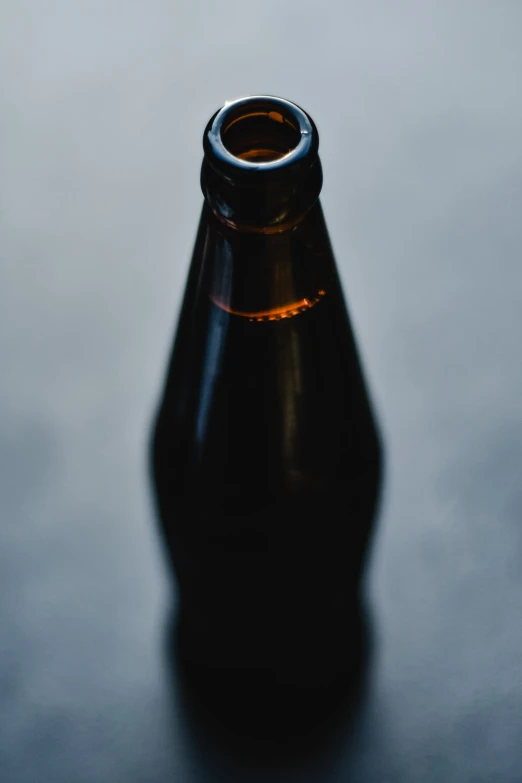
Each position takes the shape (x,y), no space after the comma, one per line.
(267,277)
(261,172)
(266,209)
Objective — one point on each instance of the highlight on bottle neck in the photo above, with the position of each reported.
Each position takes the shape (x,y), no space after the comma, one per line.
(261,171)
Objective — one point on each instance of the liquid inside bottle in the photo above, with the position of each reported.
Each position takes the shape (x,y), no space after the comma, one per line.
(266,457)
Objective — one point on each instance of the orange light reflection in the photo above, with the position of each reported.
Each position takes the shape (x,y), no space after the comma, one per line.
(275,313)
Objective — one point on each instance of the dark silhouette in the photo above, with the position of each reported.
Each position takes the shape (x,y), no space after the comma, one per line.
(248,719)
(265,455)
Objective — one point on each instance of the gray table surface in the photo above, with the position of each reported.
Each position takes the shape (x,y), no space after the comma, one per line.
(419,110)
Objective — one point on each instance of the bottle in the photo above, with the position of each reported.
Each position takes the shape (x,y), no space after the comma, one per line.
(266,456)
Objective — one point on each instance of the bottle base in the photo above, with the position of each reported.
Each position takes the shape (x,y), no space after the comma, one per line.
(271,702)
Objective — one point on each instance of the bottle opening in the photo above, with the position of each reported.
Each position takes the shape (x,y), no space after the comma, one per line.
(260,136)
(261,170)
(260,133)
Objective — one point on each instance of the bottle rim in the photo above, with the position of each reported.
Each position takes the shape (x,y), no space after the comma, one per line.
(275,108)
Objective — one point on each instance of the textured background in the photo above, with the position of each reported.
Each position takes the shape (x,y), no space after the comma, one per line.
(103,104)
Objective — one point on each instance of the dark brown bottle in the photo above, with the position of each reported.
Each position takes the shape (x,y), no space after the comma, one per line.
(266,458)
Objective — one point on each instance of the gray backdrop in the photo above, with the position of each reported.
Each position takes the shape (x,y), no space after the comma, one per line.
(102,108)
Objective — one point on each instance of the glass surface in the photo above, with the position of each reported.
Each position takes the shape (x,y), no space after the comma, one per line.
(266,457)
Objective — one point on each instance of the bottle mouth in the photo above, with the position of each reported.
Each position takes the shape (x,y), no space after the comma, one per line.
(261,133)
(261,170)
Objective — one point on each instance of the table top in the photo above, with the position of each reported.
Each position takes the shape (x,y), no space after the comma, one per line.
(420,119)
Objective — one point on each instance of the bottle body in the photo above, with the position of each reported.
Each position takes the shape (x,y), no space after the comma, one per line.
(266,457)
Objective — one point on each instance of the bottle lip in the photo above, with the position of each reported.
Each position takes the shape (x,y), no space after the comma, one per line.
(305,150)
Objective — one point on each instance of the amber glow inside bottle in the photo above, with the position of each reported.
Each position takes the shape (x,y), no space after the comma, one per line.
(266,456)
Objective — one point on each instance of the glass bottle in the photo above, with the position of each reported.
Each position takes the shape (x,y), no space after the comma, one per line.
(266,456)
